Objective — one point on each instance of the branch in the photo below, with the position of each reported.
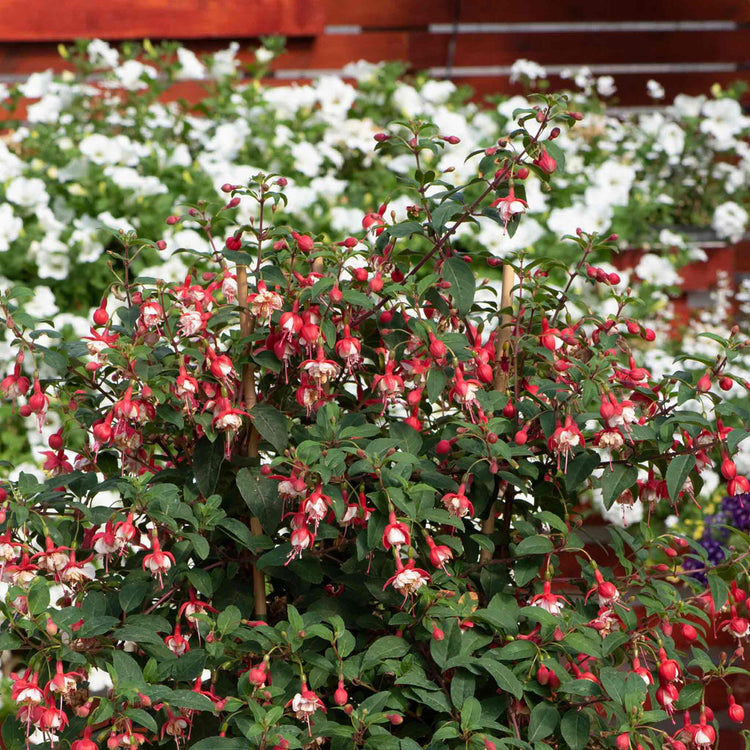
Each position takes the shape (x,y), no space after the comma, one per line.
(250,399)
(500,383)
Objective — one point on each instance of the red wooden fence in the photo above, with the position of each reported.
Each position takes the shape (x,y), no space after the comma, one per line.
(685,44)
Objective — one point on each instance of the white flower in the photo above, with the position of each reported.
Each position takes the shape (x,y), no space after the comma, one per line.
(10,165)
(605,86)
(671,140)
(688,106)
(191,68)
(526,69)
(100,149)
(224,61)
(505,109)
(614,181)
(117,225)
(42,304)
(10,227)
(654,89)
(36,85)
(51,256)
(307,158)
(729,221)
(86,236)
(131,73)
(407,99)
(101,54)
(264,55)
(584,78)
(28,192)
(437,92)
(723,121)
(591,216)
(361,71)
(657,270)
(228,139)
(671,239)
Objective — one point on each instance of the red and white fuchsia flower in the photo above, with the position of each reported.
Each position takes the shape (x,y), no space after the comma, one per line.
(305,704)
(565,439)
(549,602)
(158,562)
(396,534)
(408,579)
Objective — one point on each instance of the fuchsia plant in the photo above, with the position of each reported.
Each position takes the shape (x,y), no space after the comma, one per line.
(344,482)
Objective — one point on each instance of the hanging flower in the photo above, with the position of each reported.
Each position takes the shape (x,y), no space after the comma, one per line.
(305,704)
(408,579)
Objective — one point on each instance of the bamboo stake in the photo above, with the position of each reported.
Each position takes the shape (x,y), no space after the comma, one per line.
(250,399)
(500,382)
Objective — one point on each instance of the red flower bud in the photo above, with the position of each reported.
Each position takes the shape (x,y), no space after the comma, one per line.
(704,384)
(736,712)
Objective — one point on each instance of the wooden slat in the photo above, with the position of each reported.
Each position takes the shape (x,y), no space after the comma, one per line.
(416,13)
(37,20)
(431,50)
(315,53)
(631,87)
(579,48)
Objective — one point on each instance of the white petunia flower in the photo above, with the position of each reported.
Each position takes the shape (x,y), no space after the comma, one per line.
(10,227)
(729,221)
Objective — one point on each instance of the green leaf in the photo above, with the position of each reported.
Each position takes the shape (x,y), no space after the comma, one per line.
(201,580)
(503,676)
(719,590)
(436,382)
(137,634)
(471,713)
(689,696)
(229,619)
(221,743)
(190,699)
(387,647)
(38,596)
(132,594)
(463,685)
(534,545)
(462,281)
(542,721)
(516,650)
(271,424)
(404,229)
(580,468)
(239,531)
(501,613)
(126,670)
(613,682)
(409,439)
(207,460)
(375,703)
(591,645)
(615,482)
(677,472)
(262,497)
(635,692)
(200,545)
(575,727)
(144,718)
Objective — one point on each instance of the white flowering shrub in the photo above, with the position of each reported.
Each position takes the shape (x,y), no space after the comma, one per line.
(98,153)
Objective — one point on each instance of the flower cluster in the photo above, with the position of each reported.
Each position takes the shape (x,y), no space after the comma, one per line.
(317,484)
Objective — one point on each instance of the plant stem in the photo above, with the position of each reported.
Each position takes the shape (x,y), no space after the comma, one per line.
(250,398)
(500,383)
